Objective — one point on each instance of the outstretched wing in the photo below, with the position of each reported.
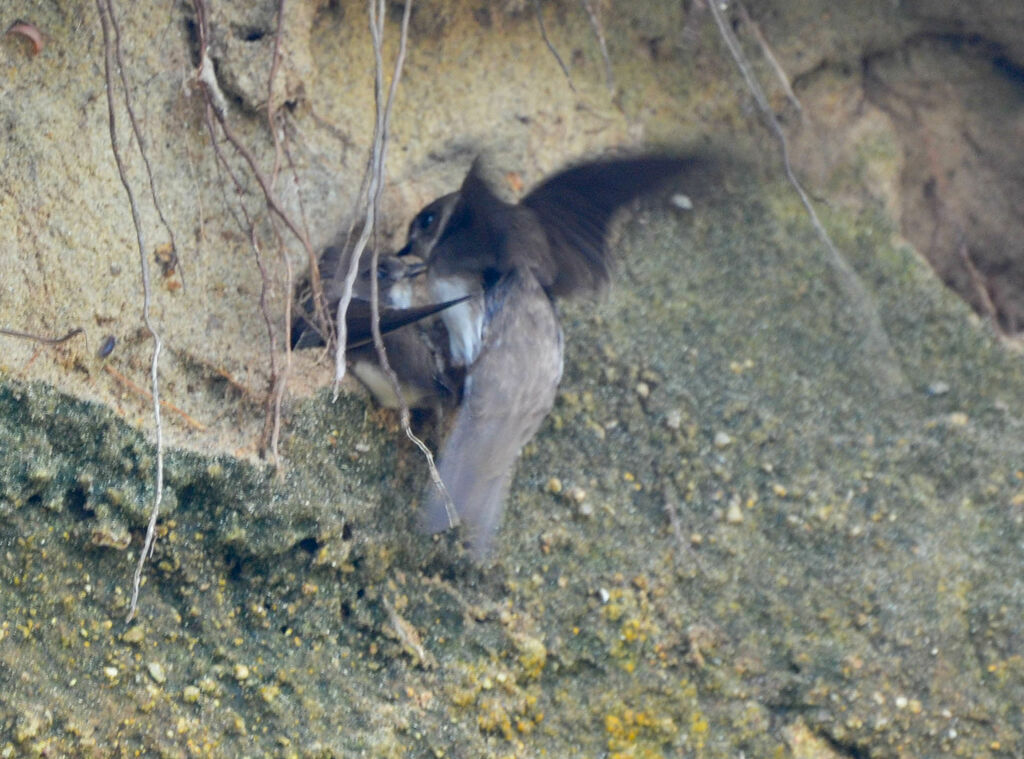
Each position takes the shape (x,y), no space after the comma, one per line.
(575,208)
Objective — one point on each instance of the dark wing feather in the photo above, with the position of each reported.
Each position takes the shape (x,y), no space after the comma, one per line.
(358,320)
(304,333)
(333,266)
(575,208)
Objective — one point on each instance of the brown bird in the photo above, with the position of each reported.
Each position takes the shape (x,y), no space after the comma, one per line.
(511,261)
(414,349)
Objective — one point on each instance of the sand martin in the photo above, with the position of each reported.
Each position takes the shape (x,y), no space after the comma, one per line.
(415,350)
(513,260)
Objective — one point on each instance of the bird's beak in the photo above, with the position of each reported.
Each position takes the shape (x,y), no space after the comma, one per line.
(413,269)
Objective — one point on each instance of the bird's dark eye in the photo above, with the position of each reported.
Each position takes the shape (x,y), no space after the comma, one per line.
(426,220)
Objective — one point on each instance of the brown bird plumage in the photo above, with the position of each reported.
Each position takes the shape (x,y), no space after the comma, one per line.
(512,260)
(415,354)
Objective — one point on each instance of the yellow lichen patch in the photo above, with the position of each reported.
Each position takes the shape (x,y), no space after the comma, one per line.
(804,744)
(533,655)
(503,706)
(269,693)
(638,628)
(698,725)
(494,718)
(628,606)
(637,733)
(1004,670)
(464,696)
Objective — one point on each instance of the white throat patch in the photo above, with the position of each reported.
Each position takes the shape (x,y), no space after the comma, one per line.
(464,321)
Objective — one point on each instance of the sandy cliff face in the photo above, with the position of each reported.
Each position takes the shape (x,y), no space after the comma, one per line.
(742,529)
